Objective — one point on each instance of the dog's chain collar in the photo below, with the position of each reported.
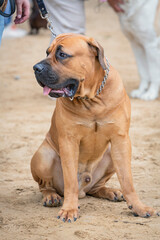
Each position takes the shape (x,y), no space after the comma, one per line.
(101,87)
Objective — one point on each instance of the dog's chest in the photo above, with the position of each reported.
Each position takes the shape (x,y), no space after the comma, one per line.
(93,142)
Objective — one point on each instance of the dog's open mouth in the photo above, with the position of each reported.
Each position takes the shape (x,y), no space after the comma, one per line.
(68,91)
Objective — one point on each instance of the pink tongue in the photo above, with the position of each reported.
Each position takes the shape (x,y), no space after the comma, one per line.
(46,90)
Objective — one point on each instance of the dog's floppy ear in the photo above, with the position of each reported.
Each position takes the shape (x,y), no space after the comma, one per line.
(99,52)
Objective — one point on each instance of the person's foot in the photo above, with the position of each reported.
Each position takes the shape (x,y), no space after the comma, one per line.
(11,31)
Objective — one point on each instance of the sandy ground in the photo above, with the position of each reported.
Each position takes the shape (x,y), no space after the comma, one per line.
(24,120)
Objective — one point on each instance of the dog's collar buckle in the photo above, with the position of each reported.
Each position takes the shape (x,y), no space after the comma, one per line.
(71,98)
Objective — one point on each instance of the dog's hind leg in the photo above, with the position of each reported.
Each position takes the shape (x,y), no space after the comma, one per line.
(140,57)
(46,171)
(153,57)
(142,65)
(151,46)
(101,191)
(105,169)
(147,38)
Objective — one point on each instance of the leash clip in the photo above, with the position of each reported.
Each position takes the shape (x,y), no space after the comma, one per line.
(45,15)
(49,23)
(50,27)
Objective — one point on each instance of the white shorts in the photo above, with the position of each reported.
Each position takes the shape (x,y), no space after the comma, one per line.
(67,15)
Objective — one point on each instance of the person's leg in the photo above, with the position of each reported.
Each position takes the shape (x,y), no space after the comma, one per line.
(3,20)
(8,20)
(67,16)
(1,27)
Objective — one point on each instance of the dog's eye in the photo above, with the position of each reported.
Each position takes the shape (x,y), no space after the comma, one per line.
(62,55)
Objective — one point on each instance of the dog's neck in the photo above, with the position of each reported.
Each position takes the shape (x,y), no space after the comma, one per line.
(92,86)
(105,101)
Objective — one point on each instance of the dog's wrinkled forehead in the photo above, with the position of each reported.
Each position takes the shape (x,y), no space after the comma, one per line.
(77,45)
(69,43)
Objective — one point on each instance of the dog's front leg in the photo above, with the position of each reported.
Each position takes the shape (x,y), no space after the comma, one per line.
(121,156)
(69,153)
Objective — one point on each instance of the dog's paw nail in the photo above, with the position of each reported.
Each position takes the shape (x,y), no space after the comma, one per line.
(50,202)
(79,207)
(44,204)
(75,219)
(135,214)
(147,215)
(58,217)
(130,207)
(158,214)
(60,202)
(63,219)
(55,200)
(69,220)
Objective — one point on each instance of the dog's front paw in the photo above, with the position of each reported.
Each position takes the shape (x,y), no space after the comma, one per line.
(136,93)
(69,215)
(152,93)
(143,211)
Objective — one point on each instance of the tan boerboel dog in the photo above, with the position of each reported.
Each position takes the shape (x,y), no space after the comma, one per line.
(88,139)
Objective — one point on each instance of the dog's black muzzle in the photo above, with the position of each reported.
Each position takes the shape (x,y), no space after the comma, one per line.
(45,74)
(46,77)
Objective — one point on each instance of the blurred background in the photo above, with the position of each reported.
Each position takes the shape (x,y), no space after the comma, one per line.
(25,116)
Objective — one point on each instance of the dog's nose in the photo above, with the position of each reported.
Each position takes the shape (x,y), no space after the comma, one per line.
(38,67)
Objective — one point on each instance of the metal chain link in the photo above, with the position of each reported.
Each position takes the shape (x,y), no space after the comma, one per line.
(102,84)
(104,80)
(49,24)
